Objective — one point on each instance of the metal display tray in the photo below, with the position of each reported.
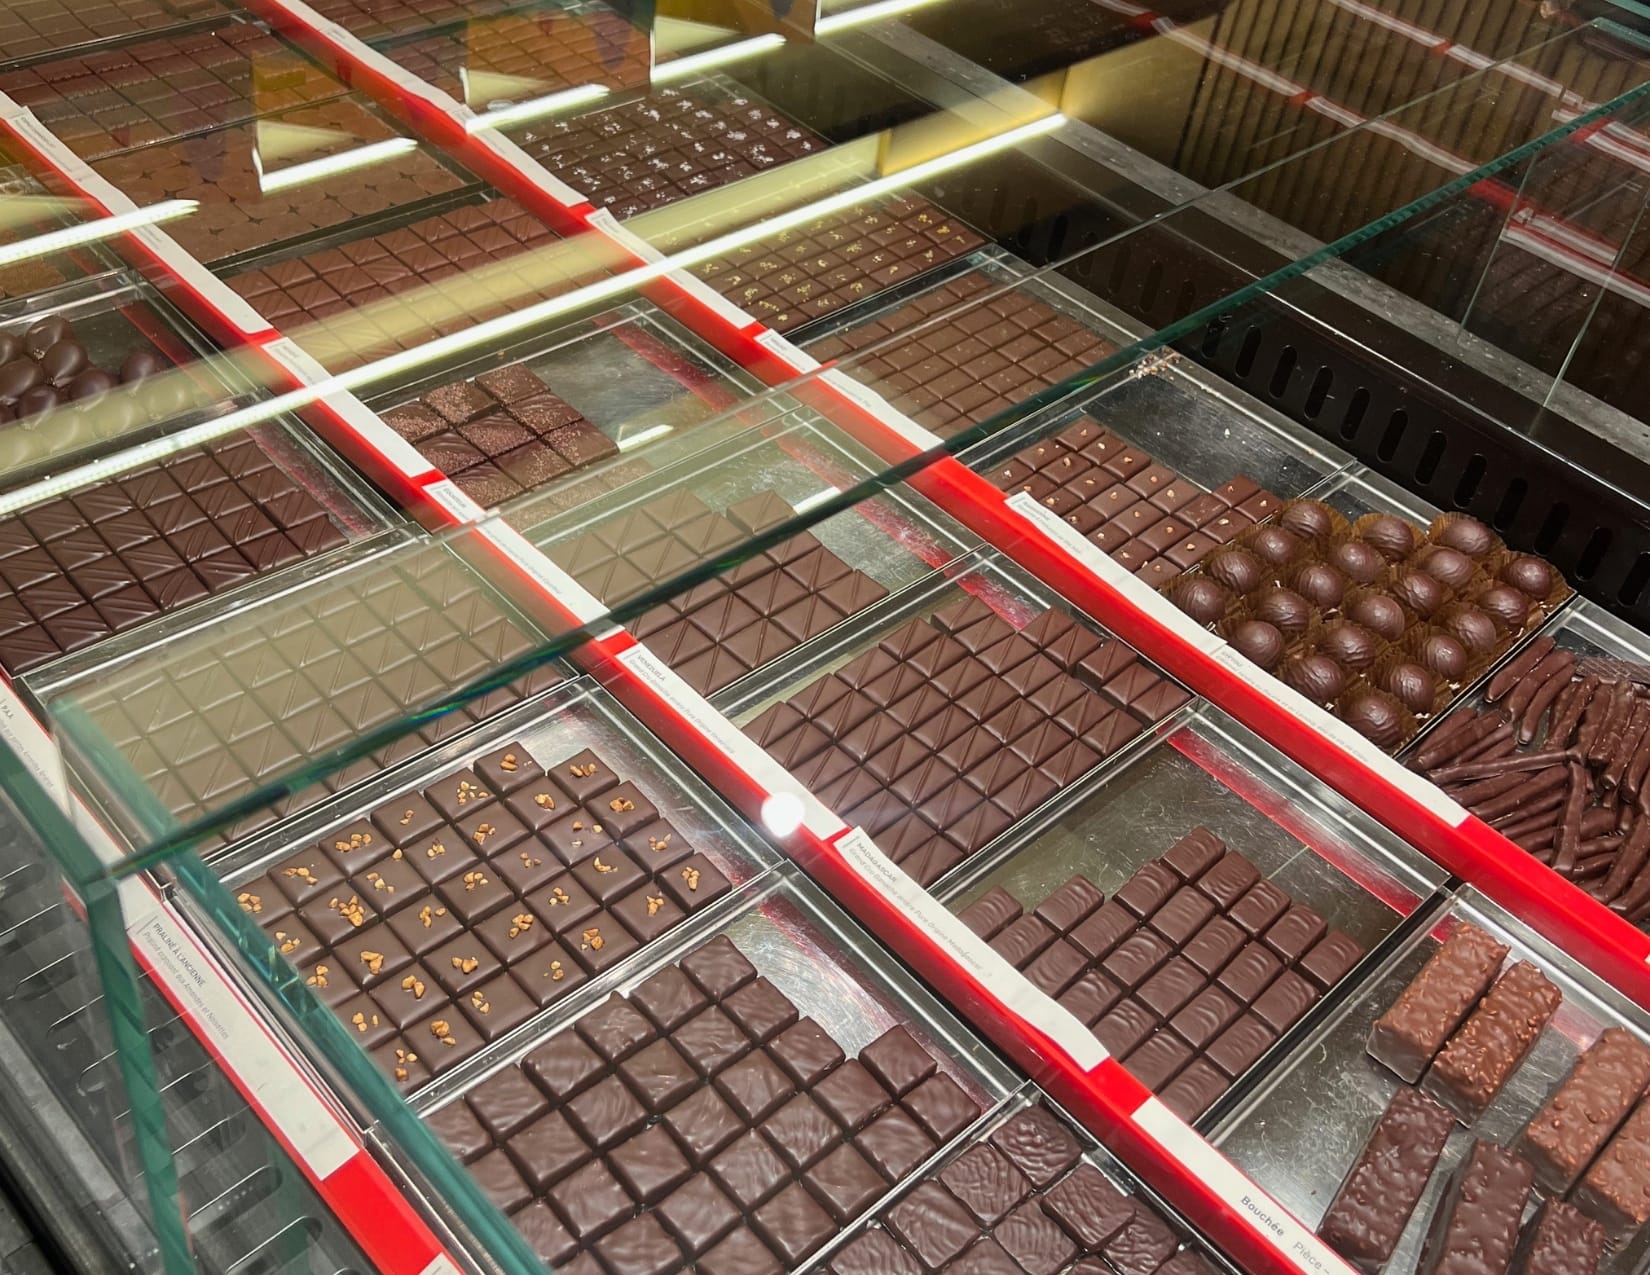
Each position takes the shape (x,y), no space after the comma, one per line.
(571,718)
(830,969)
(1212,772)
(1298,1134)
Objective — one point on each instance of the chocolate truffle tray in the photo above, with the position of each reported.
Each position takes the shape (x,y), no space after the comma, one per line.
(1201,908)
(1446,1096)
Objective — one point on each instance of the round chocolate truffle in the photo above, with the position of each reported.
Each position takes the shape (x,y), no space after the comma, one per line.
(17,378)
(1283,609)
(1466,534)
(92,382)
(1202,599)
(1505,605)
(1315,676)
(1529,576)
(1376,717)
(1447,566)
(1308,518)
(11,347)
(1350,645)
(1378,612)
(1390,536)
(1413,686)
(45,334)
(1320,584)
(139,364)
(1358,561)
(1258,641)
(1475,629)
(42,398)
(1418,591)
(1237,569)
(1444,655)
(64,361)
(1275,544)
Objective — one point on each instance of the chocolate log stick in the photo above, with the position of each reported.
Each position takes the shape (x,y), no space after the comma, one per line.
(1408,1035)
(1481,769)
(1606,735)
(1586,1110)
(1483,789)
(1502,734)
(1475,1231)
(1511,673)
(1637,770)
(1529,723)
(1592,867)
(1368,1214)
(1564,724)
(1561,706)
(1561,1240)
(1448,748)
(1569,827)
(1493,1043)
(1558,664)
(1538,844)
(1628,863)
(1547,804)
(1595,823)
(1632,739)
(1537,785)
(1616,1190)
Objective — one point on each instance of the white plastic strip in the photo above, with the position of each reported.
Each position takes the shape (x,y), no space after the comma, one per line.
(990,970)
(567,591)
(445,493)
(202,281)
(790,354)
(1293,1241)
(920,439)
(32,745)
(530,168)
(632,243)
(305,369)
(1136,592)
(232,1030)
(380,437)
(76,170)
(789,805)
(711,299)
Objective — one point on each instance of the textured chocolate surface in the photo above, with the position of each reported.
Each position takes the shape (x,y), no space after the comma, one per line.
(959,372)
(670,144)
(103,559)
(1604,1085)
(1173,939)
(1408,1036)
(732,1166)
(370,19)
(1615,1191)
(958,724)
(1380,1191)
(1491,1045)
(155,89)
(725,627)
(826,265)
(238,215)
(1475,1229)
(30,27)
(1561,1240)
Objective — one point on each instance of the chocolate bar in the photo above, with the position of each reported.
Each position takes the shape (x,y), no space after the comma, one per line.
(1482,1056)
(1604,1085)
(372,19)
(1615,1191)
(32,27)
(1560,1240)
(1380,1191)
(1408,1036)
(1475,1230)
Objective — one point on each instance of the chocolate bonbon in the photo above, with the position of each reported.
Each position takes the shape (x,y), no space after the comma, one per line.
(689,1170)
(1573,1125)
(1163,972)
(1491,1045)
(1560,1240)
(1384,1185)
(1475,1229)
(1615,1190)
(1409,1035)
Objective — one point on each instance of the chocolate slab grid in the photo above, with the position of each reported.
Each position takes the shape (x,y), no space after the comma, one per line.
(833,262)
(1299,1135)
(1025,1199)
(32,27)
(982,360)
(701,1118)
(673,143)
(135,94)
(1188,974)
(956,725)
(237,216)
(375,19)
(211,715)
(453,913)
(720,630)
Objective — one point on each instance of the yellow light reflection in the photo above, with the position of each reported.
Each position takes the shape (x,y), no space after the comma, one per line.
(92,231)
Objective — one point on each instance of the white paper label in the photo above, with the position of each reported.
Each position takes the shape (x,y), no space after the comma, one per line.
(447,495)
(874,404)
(608,224)
(795,805)
(201,990)
(784,350)
(28,126)
(971,952)
(379,436)
(202,281)
(32,745)
(1136,592)
(305,369)
(567,591)
(1294,1242)
(523,163)
(711,299)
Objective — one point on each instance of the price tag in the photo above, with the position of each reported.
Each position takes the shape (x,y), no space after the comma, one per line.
(875,405)
(971,952)
(786,352)
(389,445)
(32,745)
(201,281)
(445,493)
(298,361)
(567,591)
(608,224)
(711,299)
(530,168)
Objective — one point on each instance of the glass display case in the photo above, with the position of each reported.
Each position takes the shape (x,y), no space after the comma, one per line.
(818,638)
